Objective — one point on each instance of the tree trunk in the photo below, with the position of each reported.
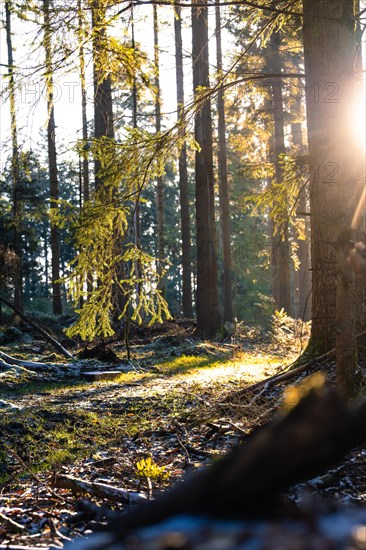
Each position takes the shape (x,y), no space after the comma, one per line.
(183,177)
(304,279)
(103,110)
(280,241)
(104,128)
(136,214)
(159,181)
(304,312)
(52,163)
(15,171)
(208,315)
(46,263)
(359,221)
(330,93)
(223,183)
(247,482)
(85,163)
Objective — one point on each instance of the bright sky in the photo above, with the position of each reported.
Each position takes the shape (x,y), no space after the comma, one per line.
(31,104)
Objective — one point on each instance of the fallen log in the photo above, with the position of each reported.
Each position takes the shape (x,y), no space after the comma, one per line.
(101,490)
(248,482)
(15,547)
(39,329)
(8,361)
(311,438)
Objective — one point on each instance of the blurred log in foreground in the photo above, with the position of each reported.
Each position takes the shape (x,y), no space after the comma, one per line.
(246,483)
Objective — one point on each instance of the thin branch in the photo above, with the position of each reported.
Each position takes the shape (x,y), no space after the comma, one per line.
(209,4)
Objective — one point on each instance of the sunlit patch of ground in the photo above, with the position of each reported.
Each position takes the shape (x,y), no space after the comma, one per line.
(242,367)
(171,383)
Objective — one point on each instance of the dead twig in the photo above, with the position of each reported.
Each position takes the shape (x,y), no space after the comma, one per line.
(11,522)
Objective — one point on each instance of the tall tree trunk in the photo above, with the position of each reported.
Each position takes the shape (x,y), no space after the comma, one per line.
(359,222)
(223,182)
(85,177)
(304,278)
(208,315)
(15,170)
(103,110)
(136,214)
(46,266)
(280,240)
(104,127)
(330,93)
(183,177)
(85,163)
(160,184)
(52,163)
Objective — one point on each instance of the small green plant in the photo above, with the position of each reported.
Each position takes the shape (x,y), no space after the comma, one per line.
(149,469)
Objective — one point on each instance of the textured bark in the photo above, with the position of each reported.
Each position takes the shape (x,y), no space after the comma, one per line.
(85,163)
(330,94)
(304,312)
(159,181)
(104,127)
(228,314)
(52,163)
(208,315)
(303,274)
(103,110)
(15,171)
(136,214)
(280,242)
(183,177)
(359,221)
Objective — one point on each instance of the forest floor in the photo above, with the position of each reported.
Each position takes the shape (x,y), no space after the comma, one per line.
(174,407)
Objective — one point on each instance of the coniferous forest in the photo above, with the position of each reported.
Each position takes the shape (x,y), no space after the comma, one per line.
(182,274)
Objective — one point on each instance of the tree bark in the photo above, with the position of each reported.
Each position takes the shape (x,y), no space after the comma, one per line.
(183,177)
(223,183)
(15,170)
(104,128)
(280,240)
(103,110)
(52,163)
(85,163)
(208,315)
(304,278)
(159,180)
(334,183)
(136,214)
(359,220)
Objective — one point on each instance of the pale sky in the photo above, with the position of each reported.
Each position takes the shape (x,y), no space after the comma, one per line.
(32,114)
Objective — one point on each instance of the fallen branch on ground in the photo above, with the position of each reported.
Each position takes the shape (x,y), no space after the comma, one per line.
(8,361)
(14,547)
(247,481)
(101,490)
(15,525)
(284,376)
(39,329)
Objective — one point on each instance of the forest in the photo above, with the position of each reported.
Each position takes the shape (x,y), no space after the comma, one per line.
(182,274)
